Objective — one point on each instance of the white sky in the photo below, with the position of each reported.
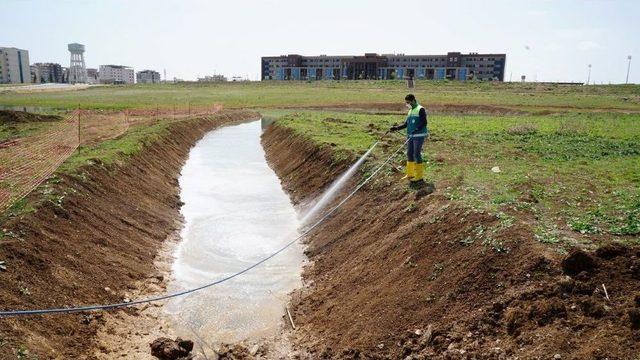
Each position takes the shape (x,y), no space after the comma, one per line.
(194,38)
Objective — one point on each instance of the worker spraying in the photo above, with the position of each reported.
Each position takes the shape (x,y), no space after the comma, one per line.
(417,132)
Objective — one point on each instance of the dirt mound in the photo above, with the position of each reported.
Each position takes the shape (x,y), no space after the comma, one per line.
(235,351)
(94,236)
(166,349)
(389,268)
(577,262)
(10,117)
(575,315)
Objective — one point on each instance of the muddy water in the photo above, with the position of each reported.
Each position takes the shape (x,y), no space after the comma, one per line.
(235,213)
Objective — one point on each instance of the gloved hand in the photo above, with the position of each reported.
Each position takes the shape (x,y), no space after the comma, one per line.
(393,128)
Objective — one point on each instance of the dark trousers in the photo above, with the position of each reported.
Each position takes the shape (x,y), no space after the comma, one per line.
(414,149)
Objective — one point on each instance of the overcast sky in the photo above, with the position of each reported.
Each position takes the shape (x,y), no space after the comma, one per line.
(545,40)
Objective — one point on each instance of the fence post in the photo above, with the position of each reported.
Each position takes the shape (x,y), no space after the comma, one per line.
(79,134)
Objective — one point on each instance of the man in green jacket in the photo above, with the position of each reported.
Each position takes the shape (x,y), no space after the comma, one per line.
(417,132)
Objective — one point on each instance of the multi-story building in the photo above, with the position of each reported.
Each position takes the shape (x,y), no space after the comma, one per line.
(92,76)
(35,74)
(452,66)
(147,77)
(49,72)
(116,74)
(14,66)
(65,74)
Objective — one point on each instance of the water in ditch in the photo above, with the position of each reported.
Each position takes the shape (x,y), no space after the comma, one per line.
(235,213)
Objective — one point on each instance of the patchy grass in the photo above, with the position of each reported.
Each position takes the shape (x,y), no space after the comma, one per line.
(115,150)
(22,206)
(300,93)
(571,161)
(106,153)
(16,124)
(17,130)
(576,174)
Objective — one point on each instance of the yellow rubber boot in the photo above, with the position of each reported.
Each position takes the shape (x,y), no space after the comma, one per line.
(411,171)
(419,172)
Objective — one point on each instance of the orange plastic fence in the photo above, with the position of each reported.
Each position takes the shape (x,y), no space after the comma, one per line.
(27,162)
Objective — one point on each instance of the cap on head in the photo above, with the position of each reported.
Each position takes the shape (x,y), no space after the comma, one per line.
(410,98)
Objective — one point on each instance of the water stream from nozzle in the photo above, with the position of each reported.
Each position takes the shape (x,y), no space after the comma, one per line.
(335,187)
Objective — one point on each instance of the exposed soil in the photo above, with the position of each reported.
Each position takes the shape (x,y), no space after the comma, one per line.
(392,275)
(95,246)
(127,334)
(10,116)
(400,277)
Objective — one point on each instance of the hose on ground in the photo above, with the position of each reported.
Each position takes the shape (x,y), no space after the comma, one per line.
(68,310)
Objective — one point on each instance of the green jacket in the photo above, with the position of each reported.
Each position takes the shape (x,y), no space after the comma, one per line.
(416,122)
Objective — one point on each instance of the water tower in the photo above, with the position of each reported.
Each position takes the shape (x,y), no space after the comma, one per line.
(77,69)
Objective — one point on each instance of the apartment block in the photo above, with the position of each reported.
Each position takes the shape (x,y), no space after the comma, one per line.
(14,66)
(452,66)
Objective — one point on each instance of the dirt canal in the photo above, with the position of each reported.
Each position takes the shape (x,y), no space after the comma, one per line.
(235,213)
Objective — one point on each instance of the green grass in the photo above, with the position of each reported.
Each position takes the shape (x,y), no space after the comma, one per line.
(572,160)
(115,150)
(106,153)
(22,206)
(577,173)
(18,130)
(295,94)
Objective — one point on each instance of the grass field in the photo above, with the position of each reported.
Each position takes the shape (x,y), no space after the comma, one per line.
(295,94)
(14,131)
(570,162)
(573,174)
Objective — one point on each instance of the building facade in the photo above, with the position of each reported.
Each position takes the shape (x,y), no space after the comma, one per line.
(148,77)
(65,74)
(116,74)
(92,76)
(49,72)
(35,74)
(14,66)
(452,66)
